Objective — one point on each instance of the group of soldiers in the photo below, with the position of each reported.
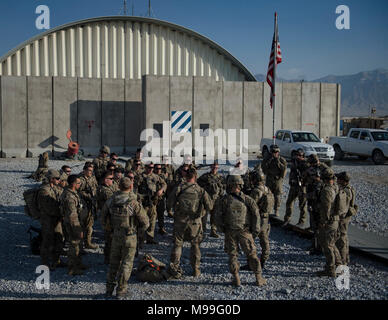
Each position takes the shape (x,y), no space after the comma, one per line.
(327,197)
(128,201)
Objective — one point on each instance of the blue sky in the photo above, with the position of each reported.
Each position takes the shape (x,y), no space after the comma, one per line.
(312,47)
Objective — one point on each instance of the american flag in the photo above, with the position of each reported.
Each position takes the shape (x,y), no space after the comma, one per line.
(270,78)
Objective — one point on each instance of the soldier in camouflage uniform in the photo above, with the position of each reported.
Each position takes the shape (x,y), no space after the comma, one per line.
(347,208)
(113,158)
(51,220)
(41,171)
(100,163)
(188,200)
(297,189)
(150,189)
(264,199)
(238,216)
(313,190)
(137,171)
(88,191)
(129,165)
(71,206)
(275,168)
(126,216)
(161,206)
(104,192)
(328,223)
(169,171)
(65,172)
(117,176)
(214,184)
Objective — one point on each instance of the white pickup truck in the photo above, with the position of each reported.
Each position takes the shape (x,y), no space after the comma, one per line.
(362,142)
(290,141)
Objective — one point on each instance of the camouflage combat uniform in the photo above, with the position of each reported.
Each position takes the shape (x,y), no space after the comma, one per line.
(148,185)
(238,216)
(71,207)
(328,227)
(214,184)
(169,170)
(297,190)
(103,194)
(88,191)
(347,209)
(129,165)
(313,189)
(275,171)
(264,200)
(161,204)
(51,223)
(100,163)
(126,216)
(188,200)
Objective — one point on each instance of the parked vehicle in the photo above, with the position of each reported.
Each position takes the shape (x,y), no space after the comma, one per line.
(290,141)
(362,142)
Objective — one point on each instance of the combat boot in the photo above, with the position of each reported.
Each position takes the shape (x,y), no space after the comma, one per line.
(90,245)
(214,234)
(196,272)
(260,281)
(236,279)
(75,272)
(162,231)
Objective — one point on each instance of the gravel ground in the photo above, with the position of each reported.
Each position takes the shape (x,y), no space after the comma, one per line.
(289,272)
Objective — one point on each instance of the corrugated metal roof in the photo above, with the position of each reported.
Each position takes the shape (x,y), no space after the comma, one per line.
(122,47)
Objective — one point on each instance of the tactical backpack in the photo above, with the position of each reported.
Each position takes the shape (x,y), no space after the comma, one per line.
(150,269)
(236,216)
(188,203)
(31,198)
(122,214)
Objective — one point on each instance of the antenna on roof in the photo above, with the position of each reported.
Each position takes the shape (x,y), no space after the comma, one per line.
(149,8)
(125,8)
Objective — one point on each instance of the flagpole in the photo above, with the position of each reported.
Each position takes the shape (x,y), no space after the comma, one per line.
(274,78)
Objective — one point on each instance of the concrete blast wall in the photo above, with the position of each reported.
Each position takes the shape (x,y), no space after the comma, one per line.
(36,112)
(243,105)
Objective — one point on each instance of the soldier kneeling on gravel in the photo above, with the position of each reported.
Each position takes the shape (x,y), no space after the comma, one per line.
(237,215)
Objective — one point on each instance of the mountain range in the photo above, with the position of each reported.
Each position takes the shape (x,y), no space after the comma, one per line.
(359,92)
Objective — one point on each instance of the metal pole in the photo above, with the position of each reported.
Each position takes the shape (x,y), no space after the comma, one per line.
(149,8)
(274,78)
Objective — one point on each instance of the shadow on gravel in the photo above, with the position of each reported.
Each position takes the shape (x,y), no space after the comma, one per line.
(11,209)
(17,171)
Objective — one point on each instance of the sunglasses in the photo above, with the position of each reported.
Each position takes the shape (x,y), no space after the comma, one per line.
(109,178)
(57,178)
(68,171)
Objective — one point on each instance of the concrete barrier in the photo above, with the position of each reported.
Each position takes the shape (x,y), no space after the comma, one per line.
(156,99)
(253,113)
(232,112)
(40,121)
(329,123)
(292,106)
(14,116)
(113,114)
(89,115)
(65,112)
(311,107)
(133,114)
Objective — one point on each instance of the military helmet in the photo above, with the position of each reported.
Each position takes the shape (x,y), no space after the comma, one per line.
(52,173)
(274,148)
(105,149)
(258,175)
(344,176)
(300,152)
(327,174)
(313,158)
(235,179)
